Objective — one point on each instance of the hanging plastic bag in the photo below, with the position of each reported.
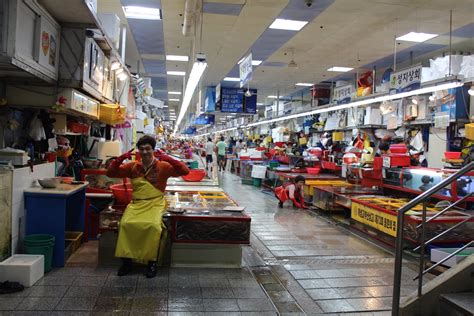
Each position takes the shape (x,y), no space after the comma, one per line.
(36,129)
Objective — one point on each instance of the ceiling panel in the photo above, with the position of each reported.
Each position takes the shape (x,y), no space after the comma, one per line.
(222,8)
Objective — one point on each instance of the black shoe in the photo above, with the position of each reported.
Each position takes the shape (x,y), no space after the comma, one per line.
(280,204)
(151,270)
(126,267)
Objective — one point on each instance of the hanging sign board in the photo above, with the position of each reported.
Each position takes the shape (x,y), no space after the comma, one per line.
(204,119)
(210,99)
(250,103)
(405,80)
(232,100)
(245,69)
(343,94)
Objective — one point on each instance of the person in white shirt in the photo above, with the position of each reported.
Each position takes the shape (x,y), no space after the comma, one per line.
(210,147)
(238,147)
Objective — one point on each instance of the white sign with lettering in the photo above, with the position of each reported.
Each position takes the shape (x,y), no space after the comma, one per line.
(405,80)
(342,94)
(245,69)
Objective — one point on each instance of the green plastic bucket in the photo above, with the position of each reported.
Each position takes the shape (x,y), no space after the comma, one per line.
(256,182)
(41,244)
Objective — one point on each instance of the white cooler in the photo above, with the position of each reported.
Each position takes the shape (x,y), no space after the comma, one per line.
(24,269)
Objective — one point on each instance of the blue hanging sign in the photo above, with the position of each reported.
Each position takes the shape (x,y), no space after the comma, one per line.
(250,103)
(210,100)
(204,119)
(232,100)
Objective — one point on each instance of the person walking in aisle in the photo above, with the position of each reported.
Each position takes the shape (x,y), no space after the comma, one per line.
(221,147)
(210,147)
(142,234)
(292,191)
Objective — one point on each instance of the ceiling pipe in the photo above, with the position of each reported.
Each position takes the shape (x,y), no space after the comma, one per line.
(189,16)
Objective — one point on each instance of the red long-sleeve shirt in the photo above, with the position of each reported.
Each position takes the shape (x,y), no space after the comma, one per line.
(157,176)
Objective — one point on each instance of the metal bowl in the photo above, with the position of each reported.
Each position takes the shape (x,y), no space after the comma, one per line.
(49,183)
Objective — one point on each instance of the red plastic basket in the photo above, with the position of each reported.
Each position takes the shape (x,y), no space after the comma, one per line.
(313,170)
(122,192)
(194,175)
(452,154)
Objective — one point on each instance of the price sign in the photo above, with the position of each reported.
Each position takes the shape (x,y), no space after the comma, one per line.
(405,80)
(342,94)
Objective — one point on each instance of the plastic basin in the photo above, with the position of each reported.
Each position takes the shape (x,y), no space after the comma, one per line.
(122,193)
(313,170)
(195,175)
(452,154)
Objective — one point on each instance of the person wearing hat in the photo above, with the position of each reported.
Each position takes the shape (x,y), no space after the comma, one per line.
(292,191)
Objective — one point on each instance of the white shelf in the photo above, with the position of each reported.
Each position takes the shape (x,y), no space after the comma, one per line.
(70,11)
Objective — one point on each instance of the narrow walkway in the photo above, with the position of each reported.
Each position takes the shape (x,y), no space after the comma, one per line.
(314,266)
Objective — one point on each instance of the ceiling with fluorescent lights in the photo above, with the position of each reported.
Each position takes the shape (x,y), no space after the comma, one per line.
(351,33)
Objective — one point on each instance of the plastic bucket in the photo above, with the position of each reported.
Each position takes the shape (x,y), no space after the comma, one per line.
(256,182)
(41,244)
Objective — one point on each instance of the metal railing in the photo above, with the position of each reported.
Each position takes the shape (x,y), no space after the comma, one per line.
(422,198)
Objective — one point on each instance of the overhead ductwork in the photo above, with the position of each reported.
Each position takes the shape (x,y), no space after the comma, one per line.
(191,10)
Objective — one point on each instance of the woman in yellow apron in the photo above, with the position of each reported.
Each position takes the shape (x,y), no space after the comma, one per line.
(142,232)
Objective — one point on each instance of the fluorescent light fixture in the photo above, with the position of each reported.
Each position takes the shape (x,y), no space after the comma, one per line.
(174,92)
(232,79)
(416,37)
(289,25)
(177,58)
(197,71)
(272,97)
(176,100)
(142,13)
(331,107)
(340,69)
(256,62)
(176,73)
(304,84)
(260,103)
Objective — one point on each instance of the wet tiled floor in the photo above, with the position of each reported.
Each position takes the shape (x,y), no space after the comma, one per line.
(298,264)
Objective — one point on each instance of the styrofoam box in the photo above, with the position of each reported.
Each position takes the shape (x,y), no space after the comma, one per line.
(25,269)
(259,172)
(438,254)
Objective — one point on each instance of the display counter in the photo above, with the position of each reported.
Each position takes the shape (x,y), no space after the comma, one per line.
(416,180)
(195,220)
(338,198)
(325,180)
(379,214)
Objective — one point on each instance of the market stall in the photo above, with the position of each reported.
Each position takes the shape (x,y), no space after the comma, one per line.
(378,216)
(196,219)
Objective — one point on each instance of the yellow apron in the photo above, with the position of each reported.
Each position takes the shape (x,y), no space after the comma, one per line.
(141,228)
